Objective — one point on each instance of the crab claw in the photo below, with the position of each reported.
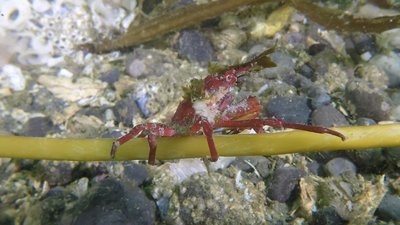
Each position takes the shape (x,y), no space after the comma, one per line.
(114,149)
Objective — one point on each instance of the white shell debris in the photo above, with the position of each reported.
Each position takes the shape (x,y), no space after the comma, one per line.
(83,89)
(11,76)
(43,31)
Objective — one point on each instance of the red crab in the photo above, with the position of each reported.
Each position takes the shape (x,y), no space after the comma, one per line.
(210,104)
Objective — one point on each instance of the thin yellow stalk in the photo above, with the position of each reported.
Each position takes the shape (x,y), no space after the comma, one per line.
(360,137)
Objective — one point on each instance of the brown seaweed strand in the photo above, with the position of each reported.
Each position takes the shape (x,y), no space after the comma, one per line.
(179,19)
(336,20)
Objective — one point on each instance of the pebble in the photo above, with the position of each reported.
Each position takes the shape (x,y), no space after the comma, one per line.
(57,173)
(368,160)
(389,209)
(328,116)
(292,109)
(340,166)
(111,77)
(113,202)
(148,62)
(256,167)
(367,101)
(364,46)
(136,172)
(327,216)
(196,47)
(283,182)
(13,77)
(389,63)
(316,48)
(125,110)
(37,127)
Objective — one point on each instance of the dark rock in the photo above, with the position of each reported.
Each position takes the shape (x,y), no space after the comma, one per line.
(195,47)
(57,173)
(293,109)
(327,216)
(364,44)
(92,111)
(149,5)
(113,134)
(367,101)
(113,202)
(111,77)
(363,121)
(307,71)
(316,48)
(124,111)
(136,172)
(38,127)
(339,166)
(260,163)
(389,208)
(392,155)
(315,168)
(283,182)
(368,160)
(328,116)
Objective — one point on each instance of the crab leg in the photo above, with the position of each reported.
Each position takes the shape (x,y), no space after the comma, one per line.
(208,132)
(151,130)
(276,123)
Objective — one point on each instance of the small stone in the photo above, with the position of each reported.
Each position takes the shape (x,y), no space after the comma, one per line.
(389,63)
(57,173)
(328,116)
(136,172)
(339,166)
(367,101)
(195,47)
(149,62)
(389,208)
(37,127)
(364,44)
(113,202)
(283,182)
(111,77)
(327,216)
(13,77)
(293,109)
(124,111)
(316,48)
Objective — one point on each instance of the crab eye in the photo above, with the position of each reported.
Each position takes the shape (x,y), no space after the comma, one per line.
(229,78)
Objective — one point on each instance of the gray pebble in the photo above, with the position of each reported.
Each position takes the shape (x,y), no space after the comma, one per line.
(293,109)
(283,182)
(124,111)
(328,116)
(389,209)
(327,216)
(111,77)
(195,47)
(37,127)
(57,173)
(340,166)
(134,171)
(113,202)
(367,101)
(148,62)
(363,121)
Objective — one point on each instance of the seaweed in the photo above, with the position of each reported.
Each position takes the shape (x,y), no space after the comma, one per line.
(178,19)
(339,21)
(194,14)
(357,137)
